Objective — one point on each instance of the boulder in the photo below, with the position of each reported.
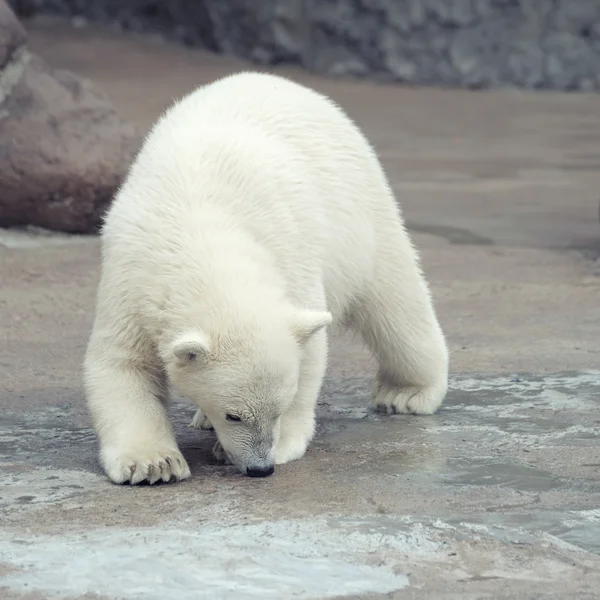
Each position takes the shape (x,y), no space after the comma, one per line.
(63,148)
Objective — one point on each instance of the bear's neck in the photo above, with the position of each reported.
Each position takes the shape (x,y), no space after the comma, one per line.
(232,275)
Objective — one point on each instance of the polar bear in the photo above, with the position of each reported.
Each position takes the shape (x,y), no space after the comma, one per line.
(255,215)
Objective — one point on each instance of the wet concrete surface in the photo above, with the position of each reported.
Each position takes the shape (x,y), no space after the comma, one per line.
(503,485)
(497,496)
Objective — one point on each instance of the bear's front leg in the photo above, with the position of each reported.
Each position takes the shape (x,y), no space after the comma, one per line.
(127,403)
(297,426)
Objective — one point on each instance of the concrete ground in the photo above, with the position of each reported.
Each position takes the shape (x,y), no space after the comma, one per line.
(497,496)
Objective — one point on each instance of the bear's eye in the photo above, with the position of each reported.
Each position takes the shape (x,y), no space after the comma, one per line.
(234,418)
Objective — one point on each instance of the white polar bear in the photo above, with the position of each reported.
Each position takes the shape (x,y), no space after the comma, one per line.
(255,214)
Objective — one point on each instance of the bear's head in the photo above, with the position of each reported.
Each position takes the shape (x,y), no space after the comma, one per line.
(244,377)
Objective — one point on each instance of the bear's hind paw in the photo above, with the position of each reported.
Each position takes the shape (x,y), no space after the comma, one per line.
(408,400)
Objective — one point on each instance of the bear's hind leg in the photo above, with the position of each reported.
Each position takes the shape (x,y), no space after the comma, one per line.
(297,426)
(397,320)
(127,403)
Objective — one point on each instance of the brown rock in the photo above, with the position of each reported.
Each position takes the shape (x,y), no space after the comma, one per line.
(63,148)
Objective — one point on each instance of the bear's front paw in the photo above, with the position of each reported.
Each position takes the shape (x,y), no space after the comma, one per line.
(200,421)
(290,447)
(408,400)
(220,454)
(152,463)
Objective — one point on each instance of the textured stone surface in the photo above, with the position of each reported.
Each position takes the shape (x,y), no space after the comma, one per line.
(549,44)
(63,148)
(12,34)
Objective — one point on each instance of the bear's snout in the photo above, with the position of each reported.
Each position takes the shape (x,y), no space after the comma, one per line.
(260,471)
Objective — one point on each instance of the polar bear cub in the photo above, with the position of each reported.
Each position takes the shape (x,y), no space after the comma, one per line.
(254,216)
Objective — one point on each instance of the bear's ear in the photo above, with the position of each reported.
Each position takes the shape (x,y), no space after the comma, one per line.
(191,347)
(305,323)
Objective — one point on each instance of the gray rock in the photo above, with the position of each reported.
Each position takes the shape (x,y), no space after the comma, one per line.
(576,17)
(570,62)
(63,149)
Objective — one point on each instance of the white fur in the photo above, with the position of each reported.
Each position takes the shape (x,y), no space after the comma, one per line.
(254,215)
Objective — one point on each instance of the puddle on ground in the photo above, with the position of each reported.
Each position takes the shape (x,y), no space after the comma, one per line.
(482,417)
(437,469)
(580,528)
(586,536)
(457,446)
(503,474)
(428,465)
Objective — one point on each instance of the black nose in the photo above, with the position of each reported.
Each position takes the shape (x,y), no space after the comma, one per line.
(260,471)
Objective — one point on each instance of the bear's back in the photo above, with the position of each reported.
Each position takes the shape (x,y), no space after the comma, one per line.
(282,158)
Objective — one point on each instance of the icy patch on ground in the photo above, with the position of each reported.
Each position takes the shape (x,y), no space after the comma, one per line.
(281,559)
(35,237)
(23,490)
(561,391)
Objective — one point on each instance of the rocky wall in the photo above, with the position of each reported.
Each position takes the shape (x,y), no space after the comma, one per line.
(547,44)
